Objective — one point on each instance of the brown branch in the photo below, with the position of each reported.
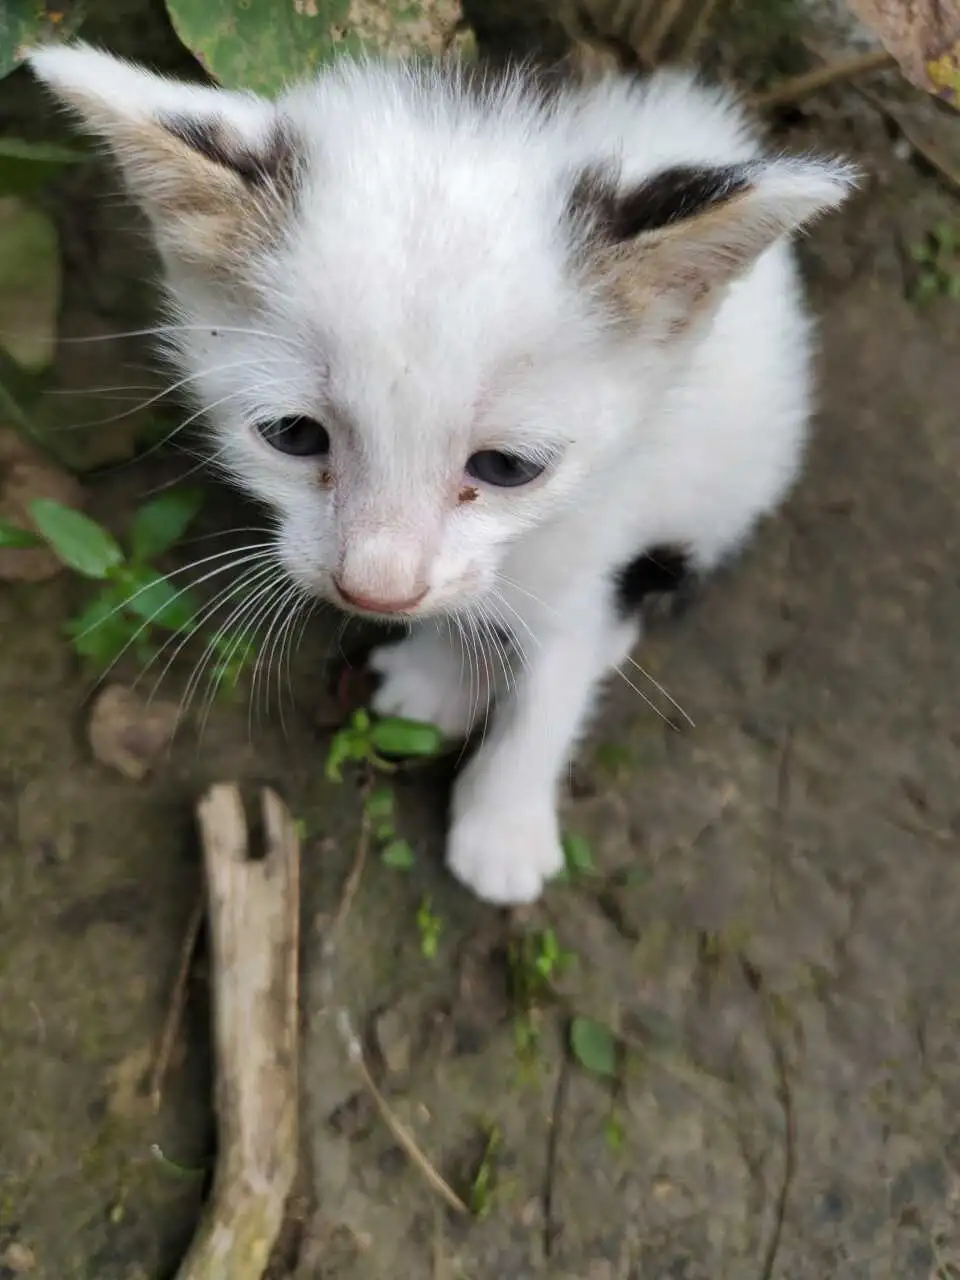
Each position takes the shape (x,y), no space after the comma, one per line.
(178,1000)
(254,908)
(802,86)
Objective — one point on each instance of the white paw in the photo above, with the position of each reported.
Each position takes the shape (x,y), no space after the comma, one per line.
(505,855)
(420,681)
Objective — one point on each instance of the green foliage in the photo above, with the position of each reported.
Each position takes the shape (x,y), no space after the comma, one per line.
(25,166)
(938,264)
(12,535)
(534,963)
(429,927)
(365,740)
(28,22)
(262,44)
(577,857)
(136,602)
(378,808)
(81,543)
(483,1185)
(594,1046)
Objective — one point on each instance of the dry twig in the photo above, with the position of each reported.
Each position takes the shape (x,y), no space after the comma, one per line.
(795,88)
(178,1000)
(254,938)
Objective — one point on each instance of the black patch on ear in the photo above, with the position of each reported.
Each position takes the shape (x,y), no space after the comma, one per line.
(659,570)
(673,195)
(274,164)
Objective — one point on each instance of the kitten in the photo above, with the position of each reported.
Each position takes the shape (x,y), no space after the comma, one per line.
(502,360)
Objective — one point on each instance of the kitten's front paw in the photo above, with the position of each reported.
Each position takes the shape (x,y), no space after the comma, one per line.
(421,683)
(505,855)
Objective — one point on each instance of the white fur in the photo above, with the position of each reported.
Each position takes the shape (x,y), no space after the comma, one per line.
(423,305)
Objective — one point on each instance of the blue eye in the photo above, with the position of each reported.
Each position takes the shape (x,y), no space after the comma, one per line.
(297,436)
(503,470)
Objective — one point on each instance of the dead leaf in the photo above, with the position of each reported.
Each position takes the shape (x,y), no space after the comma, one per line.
(18,1258)
(26,474)
(128,733)
(923,36)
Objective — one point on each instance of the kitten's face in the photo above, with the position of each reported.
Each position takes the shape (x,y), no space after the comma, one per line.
(419,318)
(419,396)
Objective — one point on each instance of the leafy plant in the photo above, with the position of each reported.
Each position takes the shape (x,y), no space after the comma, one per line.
(429,926)
(24,23)
(594,1046)
(395,852)
(136,603)
(577,858)
(483,1186)
(937,257)
(534,962)
(369,741)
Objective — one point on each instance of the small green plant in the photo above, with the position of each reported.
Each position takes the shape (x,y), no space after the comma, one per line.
(534,962)
(595,1047)
(613,1131)
(577,858)
(367,740)
(136,603)
(483,1186)
(379,806)
(430,927)
(937,257)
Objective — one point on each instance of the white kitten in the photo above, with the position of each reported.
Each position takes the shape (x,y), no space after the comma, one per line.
(501,359)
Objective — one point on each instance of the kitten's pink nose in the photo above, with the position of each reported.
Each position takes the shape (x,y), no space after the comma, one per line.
(377,604)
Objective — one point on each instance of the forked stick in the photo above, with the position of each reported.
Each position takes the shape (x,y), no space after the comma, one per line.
(254,913)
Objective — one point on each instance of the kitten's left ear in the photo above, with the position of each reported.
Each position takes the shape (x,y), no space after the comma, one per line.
(205,164)
(663,249)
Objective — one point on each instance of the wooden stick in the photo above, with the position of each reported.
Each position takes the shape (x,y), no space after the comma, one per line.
(178,999)
(254,942)
(802,86)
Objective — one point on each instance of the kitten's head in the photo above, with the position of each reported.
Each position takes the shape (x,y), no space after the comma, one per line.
(419,311)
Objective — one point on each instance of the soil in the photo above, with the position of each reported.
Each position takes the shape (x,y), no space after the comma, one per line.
(772,929)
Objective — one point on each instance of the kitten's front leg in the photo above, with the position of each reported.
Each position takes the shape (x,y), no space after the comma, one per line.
(504,840)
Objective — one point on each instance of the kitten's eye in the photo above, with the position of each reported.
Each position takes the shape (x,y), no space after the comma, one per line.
(298,436)
(505,470)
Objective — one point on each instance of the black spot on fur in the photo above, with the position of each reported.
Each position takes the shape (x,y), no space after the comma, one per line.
(273,164)
(671,196)
(659,570)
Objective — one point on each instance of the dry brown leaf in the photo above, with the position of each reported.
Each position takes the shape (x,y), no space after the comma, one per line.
(923,36)
(128,732)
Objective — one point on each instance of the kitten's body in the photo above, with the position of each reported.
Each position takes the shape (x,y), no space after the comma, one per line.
(593,286)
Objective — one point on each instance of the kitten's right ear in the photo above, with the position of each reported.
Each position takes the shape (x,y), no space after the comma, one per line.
(663,250)
(205,164)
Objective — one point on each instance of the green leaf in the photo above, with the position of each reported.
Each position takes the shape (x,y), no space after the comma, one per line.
(12,535)
(28,22)
(578,856)
(162,522)
(394,736)
(346,746)
(594,1046)
(102,631)
(156,600)
(380,804)
(29,283)
(399,855)
(24,166)
(80,542)
(261,44)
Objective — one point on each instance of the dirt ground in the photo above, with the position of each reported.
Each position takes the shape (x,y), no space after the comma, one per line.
(773,930)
